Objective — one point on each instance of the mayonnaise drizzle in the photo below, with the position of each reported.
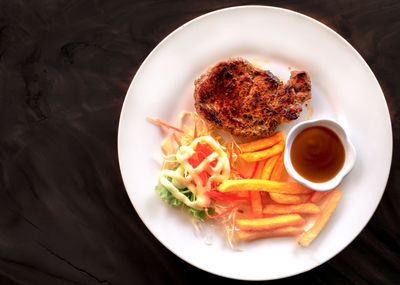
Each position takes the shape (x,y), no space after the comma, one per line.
(187,176)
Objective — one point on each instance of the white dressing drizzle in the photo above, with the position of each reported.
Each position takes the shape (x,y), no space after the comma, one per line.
(187,176)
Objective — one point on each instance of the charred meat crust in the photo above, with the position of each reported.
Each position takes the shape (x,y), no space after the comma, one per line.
(247,101)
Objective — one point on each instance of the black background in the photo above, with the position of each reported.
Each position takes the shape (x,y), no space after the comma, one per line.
(65,67)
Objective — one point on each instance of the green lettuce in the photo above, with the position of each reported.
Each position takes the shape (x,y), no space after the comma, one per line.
(168,198)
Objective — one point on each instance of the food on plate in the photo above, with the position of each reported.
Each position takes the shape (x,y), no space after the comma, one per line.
(278,169)
(199,165)
(247,101)
(263,143)
(279,232)
(318,195)
(277,209)
(256,204)
(290,198)
(269,167)
(264,154)
(321,221)
(317,154)
(242,186)
(263,185)
(206,175)
(270,222)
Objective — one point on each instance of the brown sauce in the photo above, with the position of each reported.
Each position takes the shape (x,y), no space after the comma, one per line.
(317,154)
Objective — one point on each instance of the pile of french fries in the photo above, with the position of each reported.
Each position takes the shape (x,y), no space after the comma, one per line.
(278,206)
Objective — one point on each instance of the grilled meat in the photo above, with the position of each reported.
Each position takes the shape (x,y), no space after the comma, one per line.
(247,101)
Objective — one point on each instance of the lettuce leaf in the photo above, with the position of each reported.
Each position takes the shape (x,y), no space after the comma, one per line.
(168,198)
(200,214)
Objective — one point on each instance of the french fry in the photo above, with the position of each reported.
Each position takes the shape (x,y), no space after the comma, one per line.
(289,198)
(256,204)
(278,169)
(264,224)
(279,232)
(277,209)
(244,211)
(322,219)
(265,198)
(263,154)
(263,185)
(318,195)
(262,143)
(268,167)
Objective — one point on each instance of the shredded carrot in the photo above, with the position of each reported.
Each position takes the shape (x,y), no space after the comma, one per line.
(221,214)
(195,131)
(229,199)
(204,177)
(224,197)
(176,139)
(160,122)
(231,158)
(256,204)
(255,170)
(174,165)
(231,165)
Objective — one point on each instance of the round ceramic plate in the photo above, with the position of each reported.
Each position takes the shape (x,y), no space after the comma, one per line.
(344,88)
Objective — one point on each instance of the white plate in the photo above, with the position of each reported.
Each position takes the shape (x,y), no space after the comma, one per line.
(344,88)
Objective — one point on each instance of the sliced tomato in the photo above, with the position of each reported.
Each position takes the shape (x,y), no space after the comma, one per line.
(204,149)
(214,163)
(201,152)
(194,161)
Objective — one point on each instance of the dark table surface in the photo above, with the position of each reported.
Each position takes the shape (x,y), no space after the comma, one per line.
(65,67)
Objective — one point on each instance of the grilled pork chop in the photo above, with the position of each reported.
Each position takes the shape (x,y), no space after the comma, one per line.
(247,101)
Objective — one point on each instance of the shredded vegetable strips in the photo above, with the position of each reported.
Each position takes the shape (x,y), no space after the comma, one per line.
(199,175)
(221,214)
(212,178)
(164,124)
